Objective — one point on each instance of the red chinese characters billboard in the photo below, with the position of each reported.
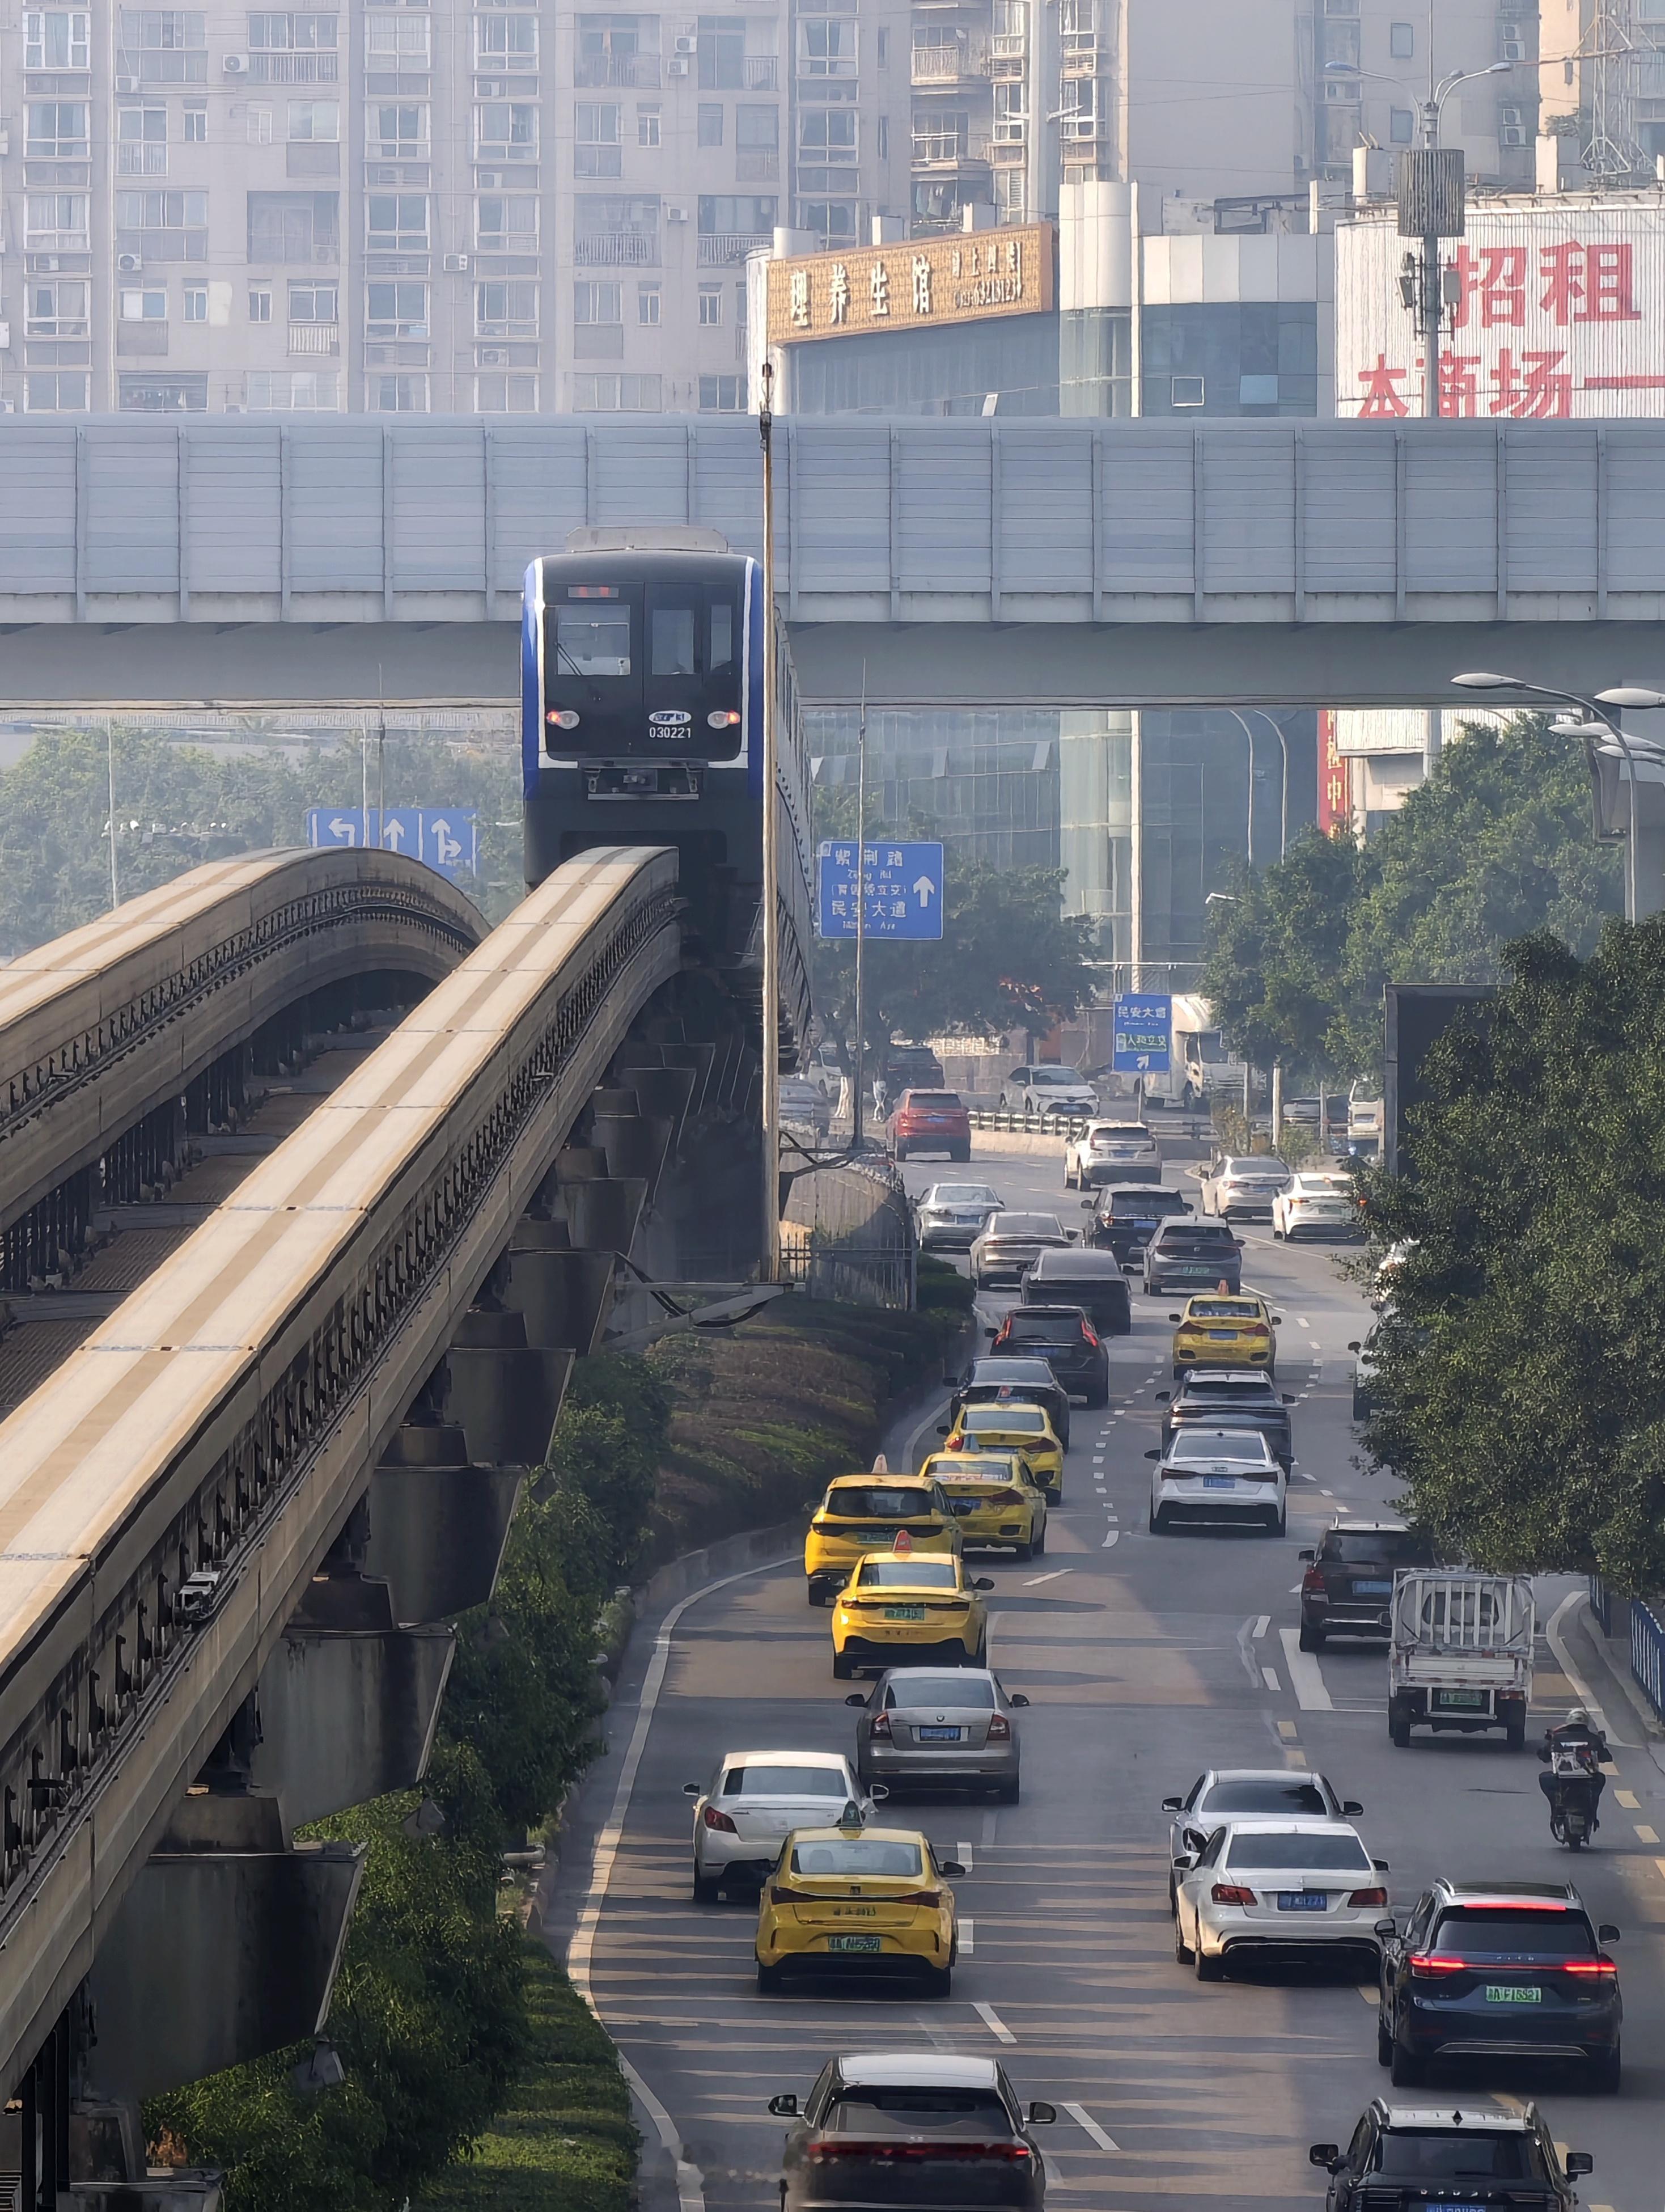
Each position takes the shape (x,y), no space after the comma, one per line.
(1559,312)
(1334,786)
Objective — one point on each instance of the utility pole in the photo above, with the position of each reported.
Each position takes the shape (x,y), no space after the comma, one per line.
(769,1258)
(860,918)
(110,756)
(381,755)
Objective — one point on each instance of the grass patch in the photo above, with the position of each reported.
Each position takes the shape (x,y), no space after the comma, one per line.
(565,2141)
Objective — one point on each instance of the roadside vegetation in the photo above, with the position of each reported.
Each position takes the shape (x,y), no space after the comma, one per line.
(475,2078)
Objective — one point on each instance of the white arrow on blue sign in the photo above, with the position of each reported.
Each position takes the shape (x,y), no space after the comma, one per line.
(901,883)
(446,838)
(1143,1033)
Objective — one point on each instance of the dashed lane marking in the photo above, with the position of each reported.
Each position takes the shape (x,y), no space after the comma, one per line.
(1305,1675)
(1091,2127)
(1370,1997)
(1628,1799)
(1288,1730)
(992,2021)
(1262,1622)
(1646,1835)
(1035,1581)
(967,1928)
(1115,1537)
(1269,1676)
(1300,1322)
(963,1853)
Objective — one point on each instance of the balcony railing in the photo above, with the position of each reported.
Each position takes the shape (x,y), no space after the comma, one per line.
(617,249)
(948,62)
(1008,54)
(315,338)
(759,72)
(948,149)
(720,248)
(641,71)
(294,69)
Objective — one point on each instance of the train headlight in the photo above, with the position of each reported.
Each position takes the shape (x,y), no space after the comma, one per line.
(723,718)
(562,718)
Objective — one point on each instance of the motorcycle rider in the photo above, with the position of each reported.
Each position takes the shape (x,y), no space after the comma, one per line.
(1573,1752)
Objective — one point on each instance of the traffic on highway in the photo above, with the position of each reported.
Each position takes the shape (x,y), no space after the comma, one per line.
(1036,1824)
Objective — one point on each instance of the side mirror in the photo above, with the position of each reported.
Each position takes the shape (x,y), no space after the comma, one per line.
(690,1789)
(1018,1699)
(1288,1399)
(1607,1932)
(1387,1929)
(983,1582)
(1042,2114)
(1579,2163)
(784,2108)
(878,1791)
(1089,1206)
(1327,2155)
(1177,1317)
(1307,1554)
(1173,1804)
(1163,1396)
(1382,1866)
(944,1427)
(856,1697)
(1353,1344)
(1153,1454)
(1073,1236)
(1277,1321)
(951,1867)
(1184,1861)
(991,1333)
(1351,1805)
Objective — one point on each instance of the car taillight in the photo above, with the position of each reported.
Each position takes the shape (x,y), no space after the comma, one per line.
(1229,1893)
(932,1897)
(999,1729)
(1603,1968)
(1368,1897)
(1432,1964)
(1087,1335)
(880,1726)
(714,1819)
(1257,1329)
(956,1444)
(1312,1582)
(1007,1497)
(895,2153)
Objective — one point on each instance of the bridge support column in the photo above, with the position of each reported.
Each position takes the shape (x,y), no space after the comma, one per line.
(636,1145)
(505,1393)
(438,1524)
(564,1297)
(602,1209)
(225,1948)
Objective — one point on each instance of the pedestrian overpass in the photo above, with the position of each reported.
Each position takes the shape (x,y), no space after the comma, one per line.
(1066,562)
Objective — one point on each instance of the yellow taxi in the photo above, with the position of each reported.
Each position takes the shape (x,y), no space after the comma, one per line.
(1012,1425)
(852,1899)
(1217,1331)
(995,1497)
(861,1511)
(898,1607)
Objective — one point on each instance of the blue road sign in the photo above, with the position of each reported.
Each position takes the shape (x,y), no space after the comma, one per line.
(901,883)
(446,838)
(1143,1033)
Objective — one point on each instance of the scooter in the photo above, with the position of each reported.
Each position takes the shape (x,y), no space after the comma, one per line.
(1572,1819)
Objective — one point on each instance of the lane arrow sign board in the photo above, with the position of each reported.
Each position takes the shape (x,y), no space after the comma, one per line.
(901,883)
(447,838)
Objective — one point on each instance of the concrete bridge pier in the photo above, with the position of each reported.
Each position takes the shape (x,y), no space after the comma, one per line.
(504,1392)
(602,1209)
(662,1093)
(635,1144)
(438,1523)
(564,1297)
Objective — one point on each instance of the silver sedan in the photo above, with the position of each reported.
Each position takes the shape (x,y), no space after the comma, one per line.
(951,1728)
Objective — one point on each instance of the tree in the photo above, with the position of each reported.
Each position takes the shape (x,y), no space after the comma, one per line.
(1276,956)
(1522,1369)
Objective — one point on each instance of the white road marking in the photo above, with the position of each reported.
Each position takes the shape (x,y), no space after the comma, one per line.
(1269,1676)
(1262,1622)
(992,2021)
(1645,1835)
(1313,1341)
(1034,1580)
(963,1853)
(1115,1537)
(1306,1677)
(1300,1322)
(1091,2127)
(1628,1799)
(967,1928)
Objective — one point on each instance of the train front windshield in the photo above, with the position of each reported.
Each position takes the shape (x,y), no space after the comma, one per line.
(649,668)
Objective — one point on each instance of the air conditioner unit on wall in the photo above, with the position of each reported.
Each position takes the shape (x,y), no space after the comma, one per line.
(127,84)
(675,215)
(456,265)
(687,44)
(131,265)
(235,64)
(676,68)
(492,357)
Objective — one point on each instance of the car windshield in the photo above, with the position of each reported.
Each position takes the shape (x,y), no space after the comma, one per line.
(1458,2154)
(970,1692)
(967,1467)
(1255,1168)
(1197,1243)
(1295,1850)
(1056,1077)
(1502,1931)
(1041,1327)
(907,1574)
(757,1781)
(1026,1225)
(1143,1205)
(1209,1446)
(934,1098)
(860,1856)
(963,1194)
(1373,1547)
(1240,1389)
(857,2107)
(868,1502)
(1224,1310)
(1006,1420)
(1266,1793)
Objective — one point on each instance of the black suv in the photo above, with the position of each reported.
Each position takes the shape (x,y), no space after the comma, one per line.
(1348,1586)
(1502,1970)
(1193,1256)
(1406,2158)
(1028,1382)
(1067,1340)
(1231,1397)
(1092,1280)
(1128,1215)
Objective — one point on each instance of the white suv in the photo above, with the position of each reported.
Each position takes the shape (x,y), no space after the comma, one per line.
(1049,1088)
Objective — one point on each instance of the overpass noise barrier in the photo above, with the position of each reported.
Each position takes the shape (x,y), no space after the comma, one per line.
(167,1498)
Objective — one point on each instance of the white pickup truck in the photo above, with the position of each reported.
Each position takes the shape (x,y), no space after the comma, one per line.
(1461,1652)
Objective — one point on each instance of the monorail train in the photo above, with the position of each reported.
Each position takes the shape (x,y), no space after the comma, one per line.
(641,688)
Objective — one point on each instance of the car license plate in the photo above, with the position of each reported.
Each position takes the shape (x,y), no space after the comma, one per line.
(1219,1482)
(1303,1900)
(1513,1993)
(938,1735)
(1459,1701)
(855,1942)
(1221,1336)
(1372,1589)
(904,1613)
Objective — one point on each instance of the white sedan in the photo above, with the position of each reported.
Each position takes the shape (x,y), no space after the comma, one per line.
(1317,1207)
(1111,1151)
(1218,1475)
(950,1216)
(1280,1888)
(755,1800)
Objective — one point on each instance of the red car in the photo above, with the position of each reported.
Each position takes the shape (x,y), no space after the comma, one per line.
(931,1122)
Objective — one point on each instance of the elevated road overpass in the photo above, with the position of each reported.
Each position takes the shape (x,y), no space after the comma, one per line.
(1068,562)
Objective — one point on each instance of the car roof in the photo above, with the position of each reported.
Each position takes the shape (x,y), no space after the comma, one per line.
(1460,2119)
(1264,1774)
(1063,1265)
(827,1832)
(960,1674)
(883,1555)
(1014,1370)
(773,1758)
(1039,1312)
(1538,1894)
(870,1475)
(901,2069)
(1127,1128)
(1345,1525)
(1281,1823)
(1253,1380)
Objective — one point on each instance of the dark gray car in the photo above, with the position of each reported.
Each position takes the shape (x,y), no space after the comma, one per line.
(1031,1382)
(902,2128)
(1193,1256)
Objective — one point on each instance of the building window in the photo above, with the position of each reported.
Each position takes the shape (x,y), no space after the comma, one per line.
(723,395)
(1401,126)
(395,222)
(1186,391)
(827,134)
(1011,195)
(395,42)
(55,390)
(614,230)
(313,120)
(506,395)
(162,45)
(740,307)
(196,122)
(196,303)
(292,391)
(509,309)
(598,303)
(296,227)
(833,222)
(56,308)
(737,215)
(1401,41)
(647,126)
(881,138)
(505,223)
(395,395)
(756,145)
(55,222)
(141,141)
(396,311)
(711,305)
(611,394)
(57,129)
(882,52)
(259,124)
(506,131)
(709,129)
(56,38)
(313,303)
(396,133)
(827,46)
(260,303)
(596,150)
(722,47)
(162,395)
(146,306)
(650,303)
(165,226)
(505,41)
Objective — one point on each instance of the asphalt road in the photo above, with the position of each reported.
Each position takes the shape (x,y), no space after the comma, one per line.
(1147,1659)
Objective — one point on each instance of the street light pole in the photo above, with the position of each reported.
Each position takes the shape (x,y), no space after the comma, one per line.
(1271,722)
(861,919)
(770,1267)
(110,763)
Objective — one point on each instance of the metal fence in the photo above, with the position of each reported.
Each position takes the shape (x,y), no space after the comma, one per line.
(848,1232)
(1648,1654)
